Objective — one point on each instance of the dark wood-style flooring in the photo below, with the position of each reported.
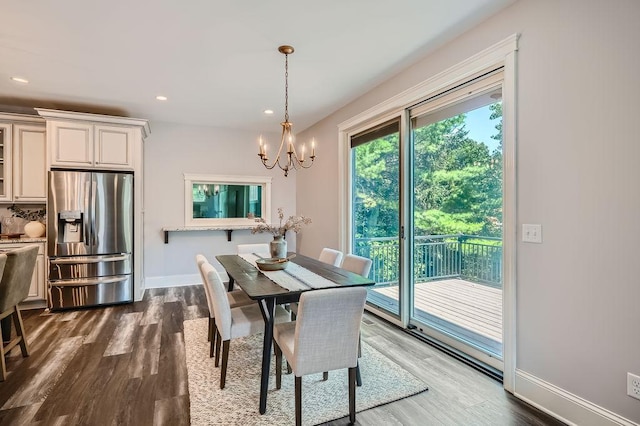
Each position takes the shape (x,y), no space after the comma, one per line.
(125,365)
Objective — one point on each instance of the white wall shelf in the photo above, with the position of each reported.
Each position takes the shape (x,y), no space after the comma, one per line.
(227,228)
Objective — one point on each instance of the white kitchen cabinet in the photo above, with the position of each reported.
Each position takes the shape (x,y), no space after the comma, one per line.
(91,145)
(113,146)
(23,173)
(71,144)
(29,163)
(5,161)
(37,291)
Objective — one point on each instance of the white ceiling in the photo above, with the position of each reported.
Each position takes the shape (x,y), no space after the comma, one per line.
(217,60)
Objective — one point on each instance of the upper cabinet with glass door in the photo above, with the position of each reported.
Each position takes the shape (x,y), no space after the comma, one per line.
(22,159)
(5,165)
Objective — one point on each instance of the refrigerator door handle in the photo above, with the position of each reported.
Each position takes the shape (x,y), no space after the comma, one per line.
(86,221)
(94,241)
(88,281)
(88,259)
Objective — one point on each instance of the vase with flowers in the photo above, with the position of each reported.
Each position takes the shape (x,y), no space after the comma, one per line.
(34,228)
(278,247)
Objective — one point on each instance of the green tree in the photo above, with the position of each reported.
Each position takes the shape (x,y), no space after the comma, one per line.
(496,113)
(457,182)
(375,189)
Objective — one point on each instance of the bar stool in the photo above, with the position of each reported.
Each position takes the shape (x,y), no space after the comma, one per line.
(14,288)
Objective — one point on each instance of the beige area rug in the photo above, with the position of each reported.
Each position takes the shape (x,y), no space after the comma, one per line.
(383,382)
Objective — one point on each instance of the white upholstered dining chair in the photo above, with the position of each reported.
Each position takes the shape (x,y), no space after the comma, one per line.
(310,346)
(362,266)
(260,248)
(330,256)
(357,264)
(235,322)
(236,298)
(327,255)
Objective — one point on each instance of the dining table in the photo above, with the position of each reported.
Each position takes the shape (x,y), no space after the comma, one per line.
(268,290)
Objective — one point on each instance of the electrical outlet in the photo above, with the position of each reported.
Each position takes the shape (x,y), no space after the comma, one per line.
(633,385)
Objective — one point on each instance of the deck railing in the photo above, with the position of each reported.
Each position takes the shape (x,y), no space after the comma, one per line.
(471,257)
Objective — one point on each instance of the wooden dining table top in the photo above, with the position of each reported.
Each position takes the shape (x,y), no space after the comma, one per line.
(259,286)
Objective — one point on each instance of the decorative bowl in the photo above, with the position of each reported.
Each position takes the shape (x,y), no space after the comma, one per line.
(272,264)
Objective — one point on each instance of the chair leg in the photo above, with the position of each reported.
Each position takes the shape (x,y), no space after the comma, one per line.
(213,333)
(291,313)
(298,391)
(218,343)
(358,377)
(17,319)
(278,364)
(4,364)
(20,338)
(2,361)
(225,358)
(288,368)
(325,376)
(352,395)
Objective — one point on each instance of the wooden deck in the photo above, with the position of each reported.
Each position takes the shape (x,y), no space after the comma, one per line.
(465,309)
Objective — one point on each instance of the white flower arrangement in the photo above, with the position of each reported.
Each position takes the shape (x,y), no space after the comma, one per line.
(293,223)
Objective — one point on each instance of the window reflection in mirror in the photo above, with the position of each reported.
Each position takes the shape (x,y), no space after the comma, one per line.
(212,200)
(215,201)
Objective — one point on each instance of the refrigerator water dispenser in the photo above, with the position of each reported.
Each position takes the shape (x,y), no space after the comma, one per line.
(70,222)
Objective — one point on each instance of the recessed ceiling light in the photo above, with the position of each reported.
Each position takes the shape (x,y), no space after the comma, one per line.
(268,111)
(161,98)
(20,80)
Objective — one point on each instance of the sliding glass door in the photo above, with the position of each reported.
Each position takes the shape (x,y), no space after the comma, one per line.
(375,209)
(441,182)
(457,217)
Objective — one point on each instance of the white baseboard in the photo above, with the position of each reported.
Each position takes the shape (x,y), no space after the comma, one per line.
(564,405)
(173,281)
(179,280)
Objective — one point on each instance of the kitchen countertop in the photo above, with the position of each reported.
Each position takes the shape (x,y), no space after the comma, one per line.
(23,239)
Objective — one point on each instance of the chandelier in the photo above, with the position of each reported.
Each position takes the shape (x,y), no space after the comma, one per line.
(291,161)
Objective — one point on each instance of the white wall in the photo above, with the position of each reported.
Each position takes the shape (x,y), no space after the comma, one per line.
(172,150)
(577,170)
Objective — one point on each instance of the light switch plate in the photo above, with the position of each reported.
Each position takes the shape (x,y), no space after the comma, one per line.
(531,233)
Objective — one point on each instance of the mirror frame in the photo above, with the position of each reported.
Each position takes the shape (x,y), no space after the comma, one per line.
(190,179)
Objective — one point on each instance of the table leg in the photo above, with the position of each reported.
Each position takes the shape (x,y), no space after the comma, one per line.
(267,306)
(231,282)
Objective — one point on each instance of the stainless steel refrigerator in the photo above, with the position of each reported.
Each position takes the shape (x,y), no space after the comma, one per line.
(89,238)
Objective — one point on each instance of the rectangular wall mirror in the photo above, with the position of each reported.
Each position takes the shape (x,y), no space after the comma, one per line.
(215,200)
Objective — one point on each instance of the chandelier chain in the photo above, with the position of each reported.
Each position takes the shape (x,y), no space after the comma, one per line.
(286,87)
